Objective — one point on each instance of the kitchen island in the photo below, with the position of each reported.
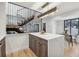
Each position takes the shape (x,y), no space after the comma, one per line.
(47,44)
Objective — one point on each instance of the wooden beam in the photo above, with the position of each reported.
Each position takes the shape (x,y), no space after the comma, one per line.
(48,12)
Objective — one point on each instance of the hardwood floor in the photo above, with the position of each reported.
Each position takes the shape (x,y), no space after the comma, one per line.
(68,52)
(22,53)
(72,51)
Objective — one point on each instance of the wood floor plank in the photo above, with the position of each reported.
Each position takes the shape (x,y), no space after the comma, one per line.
(22,53)
(72,51)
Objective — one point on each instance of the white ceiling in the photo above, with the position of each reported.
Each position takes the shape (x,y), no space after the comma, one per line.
(37,5)
(67,6)
(26,4)
(66,10)
(64,6)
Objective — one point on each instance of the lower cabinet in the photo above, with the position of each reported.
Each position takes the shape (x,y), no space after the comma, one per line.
(2,48)
(38,46)
(47,47)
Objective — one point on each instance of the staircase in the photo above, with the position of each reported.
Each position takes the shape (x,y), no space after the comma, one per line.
(26,20)
(22,14)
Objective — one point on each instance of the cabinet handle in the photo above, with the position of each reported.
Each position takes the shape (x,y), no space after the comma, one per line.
(0,43)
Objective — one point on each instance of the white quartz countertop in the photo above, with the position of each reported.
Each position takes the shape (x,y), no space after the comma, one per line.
(2,36)
(46,36)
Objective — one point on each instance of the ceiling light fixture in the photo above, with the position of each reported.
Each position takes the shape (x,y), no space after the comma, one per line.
(47,3)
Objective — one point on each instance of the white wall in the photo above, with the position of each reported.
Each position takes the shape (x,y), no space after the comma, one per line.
(2,19)
(60,26)
(50,25)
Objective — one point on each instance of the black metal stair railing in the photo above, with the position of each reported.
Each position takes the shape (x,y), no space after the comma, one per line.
(18,16)
(26,20)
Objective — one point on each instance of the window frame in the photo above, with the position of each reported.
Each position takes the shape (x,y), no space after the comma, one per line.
(71,23)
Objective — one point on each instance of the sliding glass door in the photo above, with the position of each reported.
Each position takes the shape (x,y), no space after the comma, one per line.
(67,26)
(72,26)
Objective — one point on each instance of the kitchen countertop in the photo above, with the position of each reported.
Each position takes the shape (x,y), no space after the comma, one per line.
(2,36)
(46,36)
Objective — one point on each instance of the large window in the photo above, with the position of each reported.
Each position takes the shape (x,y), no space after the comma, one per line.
(72,26)
(67,26)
